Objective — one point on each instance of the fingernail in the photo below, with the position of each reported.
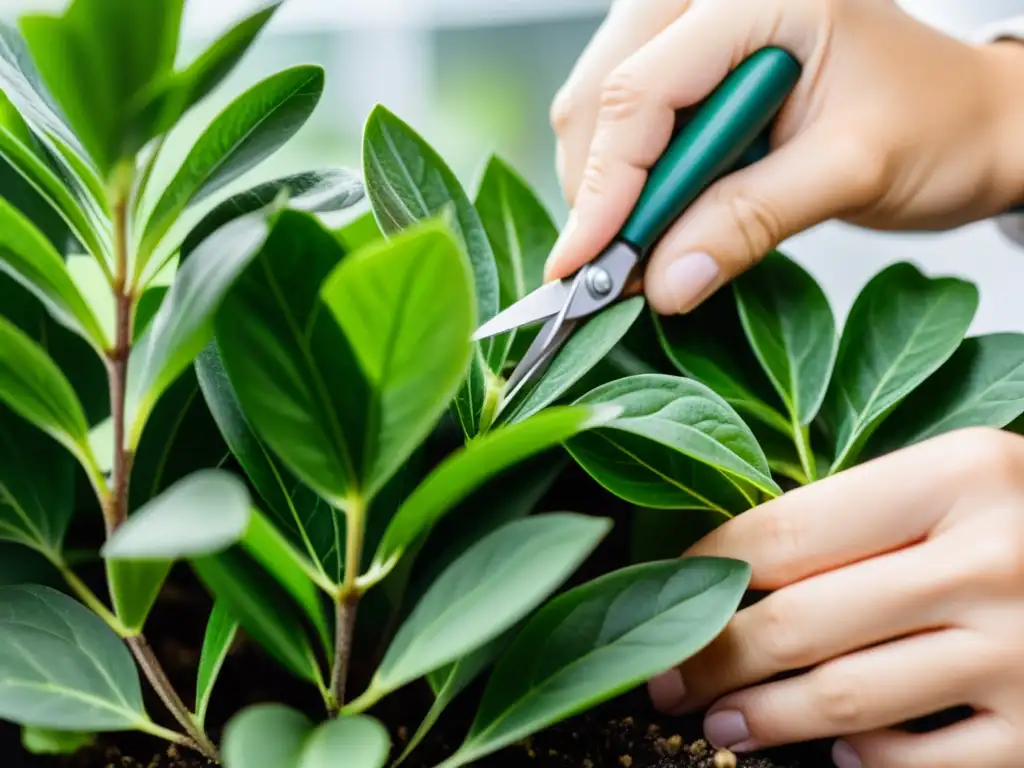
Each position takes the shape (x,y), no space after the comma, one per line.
(689,279)
(727,729)
(567,232)
(667,692)
(844,756)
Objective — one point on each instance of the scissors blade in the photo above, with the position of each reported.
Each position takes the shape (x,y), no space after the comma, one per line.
(545,302)
(538,357)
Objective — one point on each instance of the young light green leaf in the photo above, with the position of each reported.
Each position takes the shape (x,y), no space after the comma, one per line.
(275,736)
(584,349)
(46,741)
(359,232)
(184,323)
(34,388)
(28,257)
(671,610)
(981,385)
(901,328)
(292,369)
(252,128)
(790,326)
(521,234)
(468,468)
(709,345)
(221,630)
(406,307)
(94,687)
(325,191)
(675,444)
(489,589)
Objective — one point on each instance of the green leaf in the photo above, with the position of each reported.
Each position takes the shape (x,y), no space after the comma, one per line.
(582,648)
(28,257)
(62,667)
(253,127)
(308,520)
(675,444)
(406,307)
(981,385)
(221,630)
(789,323)
(275,736)
(292,369)
(521,234)
(587,347)
(184,323)
(361,231)
(326,191)
(145,311)
(35,389)
(901,328)
(710,345)
(96,58)
(46,741)
(490,588)
(468,468)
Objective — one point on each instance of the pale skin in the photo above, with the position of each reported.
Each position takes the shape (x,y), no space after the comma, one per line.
(896,587)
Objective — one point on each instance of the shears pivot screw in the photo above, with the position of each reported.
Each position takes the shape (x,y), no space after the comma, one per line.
(599,282)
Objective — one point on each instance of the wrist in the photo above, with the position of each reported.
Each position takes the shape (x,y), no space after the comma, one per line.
(1004,81)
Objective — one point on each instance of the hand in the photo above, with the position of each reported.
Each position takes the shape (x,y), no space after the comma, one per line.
(900,585)
(892,126)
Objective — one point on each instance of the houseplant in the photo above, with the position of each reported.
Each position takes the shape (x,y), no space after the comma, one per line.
(300,421)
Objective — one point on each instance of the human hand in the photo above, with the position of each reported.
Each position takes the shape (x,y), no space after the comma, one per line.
(900,585)
(892,126)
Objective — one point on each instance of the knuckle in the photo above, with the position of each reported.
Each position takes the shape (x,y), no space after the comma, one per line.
(562,112)
(757,221)
(623,95)
(783,644)
(997,560)
(865,166)
(595,175)
(839,699)
(784,540)
(991,456)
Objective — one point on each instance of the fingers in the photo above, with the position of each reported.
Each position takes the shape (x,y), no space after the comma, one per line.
(862,692)
(747,214)
(983,740)
(819,619)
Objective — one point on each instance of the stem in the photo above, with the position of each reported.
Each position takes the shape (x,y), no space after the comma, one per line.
(347,602)
(89,597)
(151,668)
(802,437)
(167,735)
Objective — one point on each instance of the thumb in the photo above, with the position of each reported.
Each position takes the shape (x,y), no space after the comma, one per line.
(817,176)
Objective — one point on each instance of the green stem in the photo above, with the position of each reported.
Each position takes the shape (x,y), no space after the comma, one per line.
(167,734)
(802,438)
(347,601)
(87,596)
(494,388)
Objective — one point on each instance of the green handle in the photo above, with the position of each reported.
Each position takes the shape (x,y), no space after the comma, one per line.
(726,131)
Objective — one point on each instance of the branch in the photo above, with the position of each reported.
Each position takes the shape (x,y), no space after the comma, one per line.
(347,602)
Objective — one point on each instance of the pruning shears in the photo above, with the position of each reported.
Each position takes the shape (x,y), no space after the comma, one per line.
(726,132)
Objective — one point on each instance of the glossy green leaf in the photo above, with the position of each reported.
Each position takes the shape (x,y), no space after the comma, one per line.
(305,517)
(710,345)
(582,648)
(292,369)
(790,326)
(902,327)
(521,234)
(675,444)
(221,630)
(46,741)
(406,307)
(185,321)
(95,59)
(332,189)
(981,385)
(468,468)
(253,127)
(34,388)
(146,309)
(275,736)
(61,667)
(485,592)
(587,347)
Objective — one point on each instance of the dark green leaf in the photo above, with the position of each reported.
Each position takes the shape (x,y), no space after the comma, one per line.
(585,348)
(184,323)
(582,648)
(274,736)
(221,630)
(406,307)
(485,592)
(21,565)
(253,127)
(465,470)
(789,323)
(292,369)
(46,741)
(676,444)
(981,385)
(902,327)
(145,311)
(662,534)
(62,667)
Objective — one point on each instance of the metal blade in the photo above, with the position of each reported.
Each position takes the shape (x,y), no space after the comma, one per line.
(547,301)
(538,357)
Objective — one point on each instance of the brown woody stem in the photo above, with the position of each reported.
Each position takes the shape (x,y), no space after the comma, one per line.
(347,601)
